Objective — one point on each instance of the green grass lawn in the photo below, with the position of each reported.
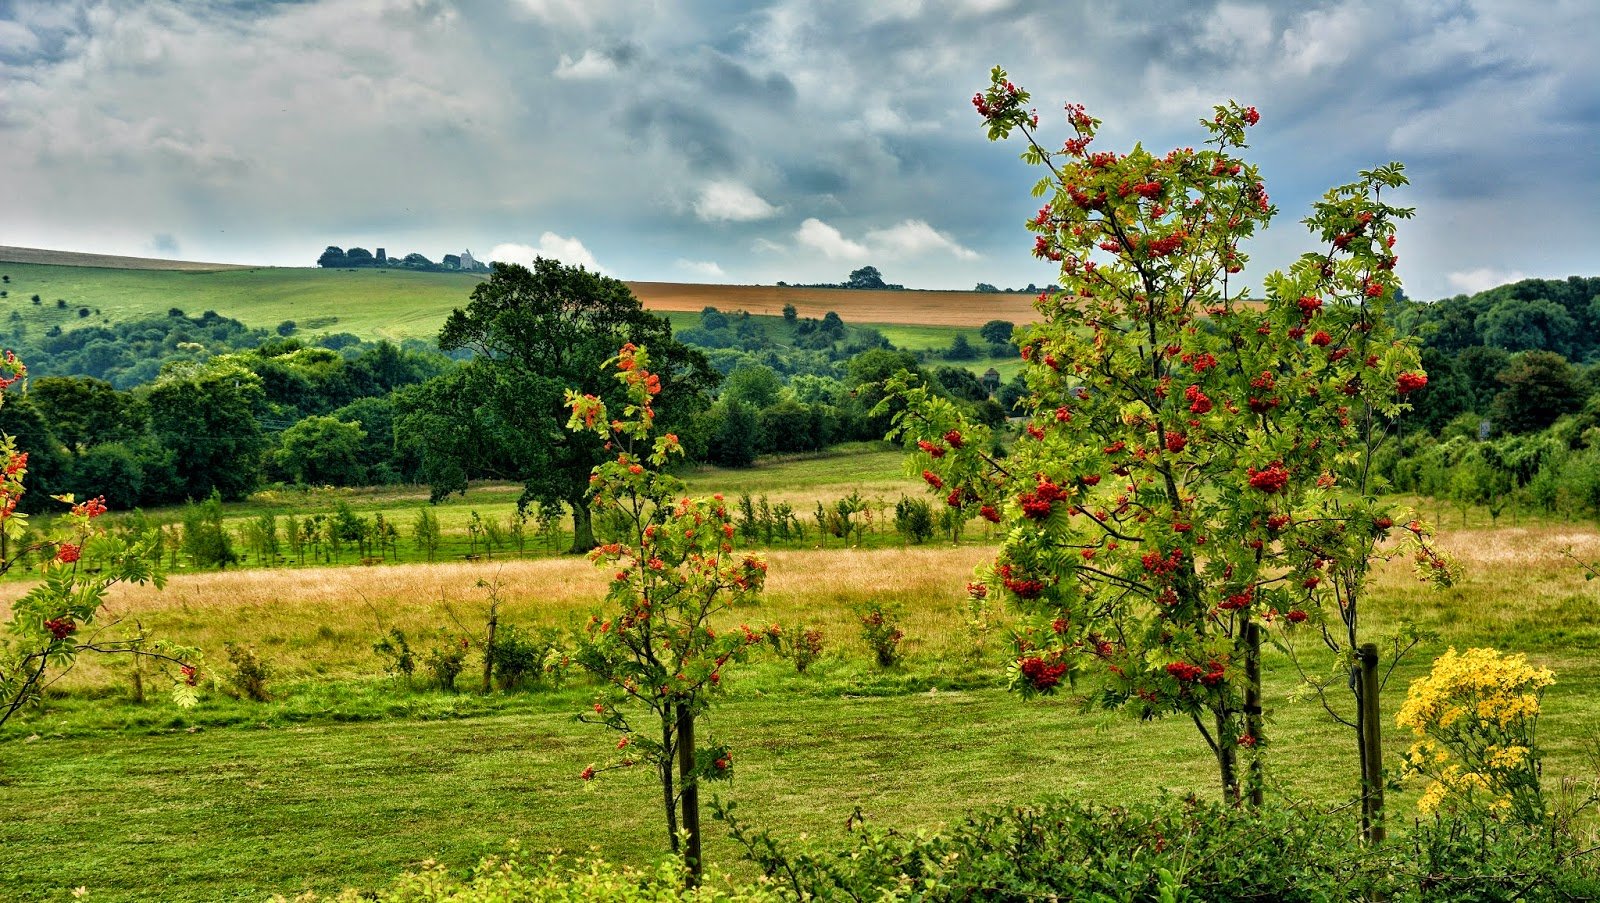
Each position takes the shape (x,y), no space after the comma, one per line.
(345,778)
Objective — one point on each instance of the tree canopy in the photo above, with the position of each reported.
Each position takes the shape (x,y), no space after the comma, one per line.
(535,334)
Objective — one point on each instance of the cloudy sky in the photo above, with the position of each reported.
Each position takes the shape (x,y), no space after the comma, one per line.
(713,140)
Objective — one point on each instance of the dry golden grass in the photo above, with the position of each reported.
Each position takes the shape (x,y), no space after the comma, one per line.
(324,620)
(1518,591)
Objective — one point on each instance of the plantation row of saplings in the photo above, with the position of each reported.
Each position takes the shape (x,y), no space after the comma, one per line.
(202,538)
(1192,488)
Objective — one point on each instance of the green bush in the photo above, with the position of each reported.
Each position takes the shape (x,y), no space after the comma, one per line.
(446,659)
(248,672)
(914,519)
(519,655)
(1181,850)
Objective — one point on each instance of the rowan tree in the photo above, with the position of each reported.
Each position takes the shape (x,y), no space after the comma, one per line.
(674,569)
(1183,482)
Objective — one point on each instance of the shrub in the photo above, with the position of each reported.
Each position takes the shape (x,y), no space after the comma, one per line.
(801,645)
(445,660)
(248,672)
(882,633)
(1065,849)
(913,518)
(399,660)
(518,655)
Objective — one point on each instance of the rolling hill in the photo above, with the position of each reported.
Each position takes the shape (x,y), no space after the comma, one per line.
(399,304)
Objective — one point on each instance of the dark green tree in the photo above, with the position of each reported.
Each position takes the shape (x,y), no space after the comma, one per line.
(866,277)
(1447,395)
(536,333)
(997,332)
(83,412)
(1540,386)
(961,348)
(323,450)
(737,435)
(205,414)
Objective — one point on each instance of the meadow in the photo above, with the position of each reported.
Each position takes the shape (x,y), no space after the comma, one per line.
(346,775)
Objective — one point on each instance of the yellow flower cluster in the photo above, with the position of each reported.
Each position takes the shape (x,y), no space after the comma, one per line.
(1474,716)
(1481,684)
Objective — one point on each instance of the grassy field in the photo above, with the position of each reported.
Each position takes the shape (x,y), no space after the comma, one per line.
(345,778)
(399,304)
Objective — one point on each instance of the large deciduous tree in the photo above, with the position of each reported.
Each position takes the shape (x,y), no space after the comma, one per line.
(205,414)
(536,334)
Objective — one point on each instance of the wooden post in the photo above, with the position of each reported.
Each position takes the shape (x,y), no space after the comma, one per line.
(1371,746)
(690,794)
(1252,706)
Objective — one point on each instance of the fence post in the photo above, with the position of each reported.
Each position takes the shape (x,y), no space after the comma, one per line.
(1371,745)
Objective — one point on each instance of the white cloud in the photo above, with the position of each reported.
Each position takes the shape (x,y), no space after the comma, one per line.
(1482,279)
(1234,28)
(17,38)
(914,238)
(591,65)
(1322,38)
(731,202)
(704,268)
(569,251)
(818,235)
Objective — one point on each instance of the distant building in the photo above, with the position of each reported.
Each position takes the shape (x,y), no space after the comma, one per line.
(468,262)
(382,257)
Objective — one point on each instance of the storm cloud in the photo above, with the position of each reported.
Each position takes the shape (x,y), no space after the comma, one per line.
(756,142)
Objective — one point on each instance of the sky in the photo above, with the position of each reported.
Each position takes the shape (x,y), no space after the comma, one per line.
(794,140)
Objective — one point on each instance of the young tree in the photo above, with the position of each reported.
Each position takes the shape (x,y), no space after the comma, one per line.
(674,570)
(1178,487)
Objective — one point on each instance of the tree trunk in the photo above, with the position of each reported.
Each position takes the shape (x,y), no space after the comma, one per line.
(1252,706)
(667,796)
(488,653)
(691,794)
(1227,760)
(1369,721)
(582,528)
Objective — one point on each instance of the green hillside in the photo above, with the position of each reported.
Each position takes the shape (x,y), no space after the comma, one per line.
(369,303)
(392,304)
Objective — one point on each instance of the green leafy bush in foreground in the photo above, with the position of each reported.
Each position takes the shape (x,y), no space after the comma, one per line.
(1178,851)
